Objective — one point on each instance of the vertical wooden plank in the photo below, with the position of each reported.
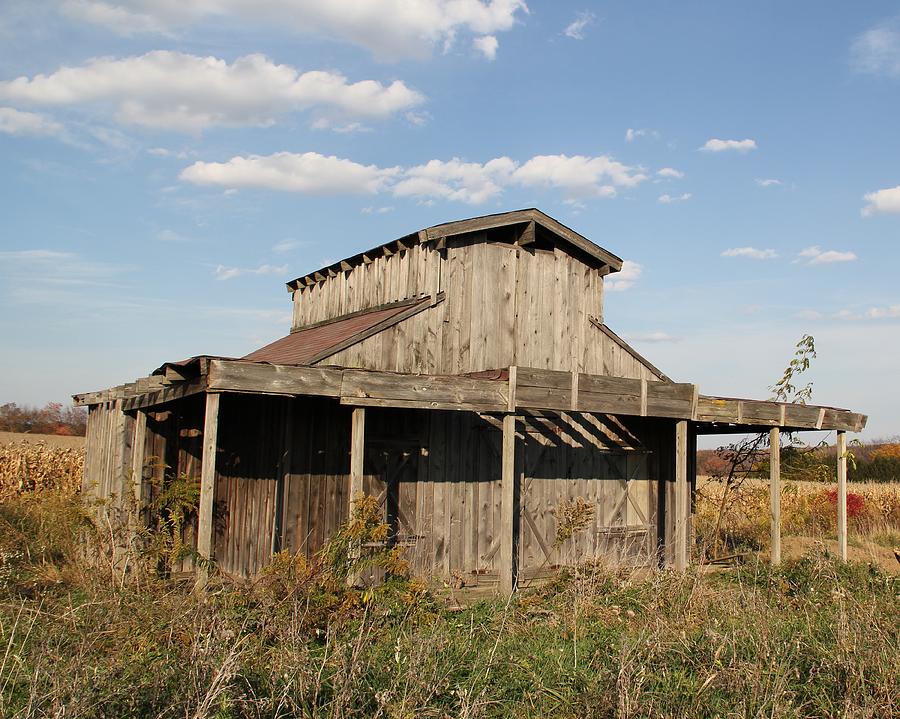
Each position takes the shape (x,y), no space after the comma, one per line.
(507,506)
(137,457)
(205,527)
(682,501)
(775,494)
(357,448)
(842,494)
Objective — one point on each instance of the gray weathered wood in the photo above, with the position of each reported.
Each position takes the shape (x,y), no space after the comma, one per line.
(775,495)
(235,376)
(682,496)
(508,510)
(205,521)
(137,458)
(842,494)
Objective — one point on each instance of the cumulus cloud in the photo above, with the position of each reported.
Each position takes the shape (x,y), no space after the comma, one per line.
(177,91)
(877,51)
(576,28)
(625,278)
(229,273)
(750,252)
(716,145)
(667,199)
(815,255)
(454,179)
(308,172)
(391,29)
(15,122)
(578,175)
(671,173)
(882,201)
(768,182)
(487,45)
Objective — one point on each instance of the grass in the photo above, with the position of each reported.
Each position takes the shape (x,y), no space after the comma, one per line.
(82,637)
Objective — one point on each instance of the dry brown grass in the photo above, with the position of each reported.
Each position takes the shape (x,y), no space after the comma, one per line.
(32,466)
(809,511)
(62,441)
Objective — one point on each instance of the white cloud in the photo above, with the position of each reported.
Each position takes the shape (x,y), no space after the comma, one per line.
(877,51)
(625,278)
(487,45)
(668,199)
(171,236)
(575,29)
(228,273)
(580,176)
(750,252)
(886,201)
(652,337)
(817,256)
(768,182)
(176,91)
(632,134)
(285,246)
(812,315)
(308,172)
(880,313)
(15,122)
(670,172)
(454,179)
(716,145)
(377,210)
(391,29)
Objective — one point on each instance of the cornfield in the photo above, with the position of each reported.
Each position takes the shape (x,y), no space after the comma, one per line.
(31,467)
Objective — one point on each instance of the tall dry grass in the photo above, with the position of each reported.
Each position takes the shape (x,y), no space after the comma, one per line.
(33,467)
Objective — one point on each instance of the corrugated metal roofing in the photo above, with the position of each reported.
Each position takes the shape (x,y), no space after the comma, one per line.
(304,345)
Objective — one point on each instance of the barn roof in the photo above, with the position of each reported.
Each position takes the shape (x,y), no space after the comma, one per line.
(529,220)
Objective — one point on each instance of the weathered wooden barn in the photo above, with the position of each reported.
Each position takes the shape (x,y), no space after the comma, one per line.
(466,377)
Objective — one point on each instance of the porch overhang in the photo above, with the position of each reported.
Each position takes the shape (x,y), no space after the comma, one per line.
(501,391)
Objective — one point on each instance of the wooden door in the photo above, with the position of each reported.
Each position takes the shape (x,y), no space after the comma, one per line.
(614,483)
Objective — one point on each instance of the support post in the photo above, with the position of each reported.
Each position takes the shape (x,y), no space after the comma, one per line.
(205,525)
(508,506)
(357,454)
(775,495)
(682,500)
(137,458)
(357,449)
(842,494)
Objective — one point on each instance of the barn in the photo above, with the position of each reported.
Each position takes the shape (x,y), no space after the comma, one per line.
(465,376)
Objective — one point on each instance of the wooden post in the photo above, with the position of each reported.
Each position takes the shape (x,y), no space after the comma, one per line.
(682,500)
(842,494)
(205,525)
(775,495)
(137,458)
(507,506)
(357,449)
(357,453)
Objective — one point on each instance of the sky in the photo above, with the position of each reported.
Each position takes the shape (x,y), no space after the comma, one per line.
(168,164)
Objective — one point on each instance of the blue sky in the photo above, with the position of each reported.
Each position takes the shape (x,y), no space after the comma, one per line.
(167,165)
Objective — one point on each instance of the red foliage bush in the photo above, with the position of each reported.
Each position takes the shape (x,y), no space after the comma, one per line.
(856,505)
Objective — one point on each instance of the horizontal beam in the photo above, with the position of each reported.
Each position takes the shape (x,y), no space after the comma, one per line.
(754,413)
(165,394)
(262,378)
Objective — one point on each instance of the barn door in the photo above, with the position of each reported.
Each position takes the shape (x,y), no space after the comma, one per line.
(614,482)
(391,476)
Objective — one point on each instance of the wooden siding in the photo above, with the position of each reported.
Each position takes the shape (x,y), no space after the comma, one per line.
(505,305)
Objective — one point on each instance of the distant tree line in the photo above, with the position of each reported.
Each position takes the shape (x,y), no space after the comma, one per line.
(877,461)
(52,418)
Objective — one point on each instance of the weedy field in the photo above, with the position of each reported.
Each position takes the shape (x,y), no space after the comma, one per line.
(86,631)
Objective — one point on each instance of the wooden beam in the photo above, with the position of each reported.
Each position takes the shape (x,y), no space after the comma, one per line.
(258,378)
(508,508)
(775,495)
(205,523)
(682,498)
(842,494)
